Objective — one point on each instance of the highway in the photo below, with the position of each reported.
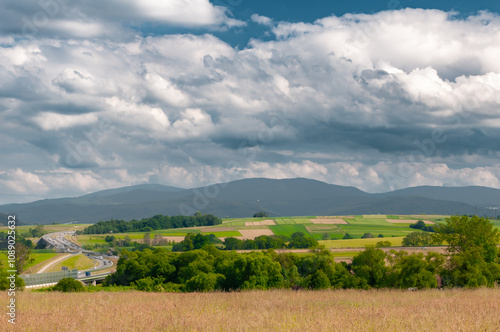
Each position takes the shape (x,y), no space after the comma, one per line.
(62,244)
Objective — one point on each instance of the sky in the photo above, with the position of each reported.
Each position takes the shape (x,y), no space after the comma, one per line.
(380,95)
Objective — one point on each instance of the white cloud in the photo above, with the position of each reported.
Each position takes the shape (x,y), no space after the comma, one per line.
(183,12)
(261,20)
(18,181)
(353,93)
(54,121)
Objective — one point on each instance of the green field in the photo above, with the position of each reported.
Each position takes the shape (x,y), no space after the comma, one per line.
(236,222)
(288,230)
(39,258)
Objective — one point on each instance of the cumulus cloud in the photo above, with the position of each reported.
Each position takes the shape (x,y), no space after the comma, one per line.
(382,101)
(261,20)
(90,19)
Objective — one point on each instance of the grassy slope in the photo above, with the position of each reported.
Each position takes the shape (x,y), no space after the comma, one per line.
(38,258)
(80,262)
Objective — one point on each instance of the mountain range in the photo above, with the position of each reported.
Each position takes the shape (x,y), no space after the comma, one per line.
(242,198)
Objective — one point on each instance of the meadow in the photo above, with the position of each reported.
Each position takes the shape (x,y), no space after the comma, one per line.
(277,310)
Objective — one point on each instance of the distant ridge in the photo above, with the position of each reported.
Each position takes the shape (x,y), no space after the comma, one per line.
(151,187)
(473,195)
(242,198)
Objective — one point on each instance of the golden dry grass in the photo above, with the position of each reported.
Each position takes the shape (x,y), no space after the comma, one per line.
(350,310)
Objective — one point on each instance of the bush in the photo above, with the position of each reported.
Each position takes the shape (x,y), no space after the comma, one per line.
(300,240)
(69,285)
(421,225)
(417,239)
(383,244)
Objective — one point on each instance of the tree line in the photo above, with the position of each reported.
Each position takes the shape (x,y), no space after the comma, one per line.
(150,224)
(472,261)
(297,240)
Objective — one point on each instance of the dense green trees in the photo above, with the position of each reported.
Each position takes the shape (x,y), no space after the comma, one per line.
(469,269)
(463,233)
(198,241)
(154,223)
(296,241)
(415,270)
(472,241)
(370,266)
(210,269)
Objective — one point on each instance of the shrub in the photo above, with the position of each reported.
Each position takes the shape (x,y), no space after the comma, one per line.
(383,244)
(69,285)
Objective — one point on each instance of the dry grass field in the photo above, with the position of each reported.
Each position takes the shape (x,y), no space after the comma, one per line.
(388,310)
(253,233)
(267,222)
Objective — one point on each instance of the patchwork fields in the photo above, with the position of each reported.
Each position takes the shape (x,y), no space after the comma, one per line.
(329,230)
